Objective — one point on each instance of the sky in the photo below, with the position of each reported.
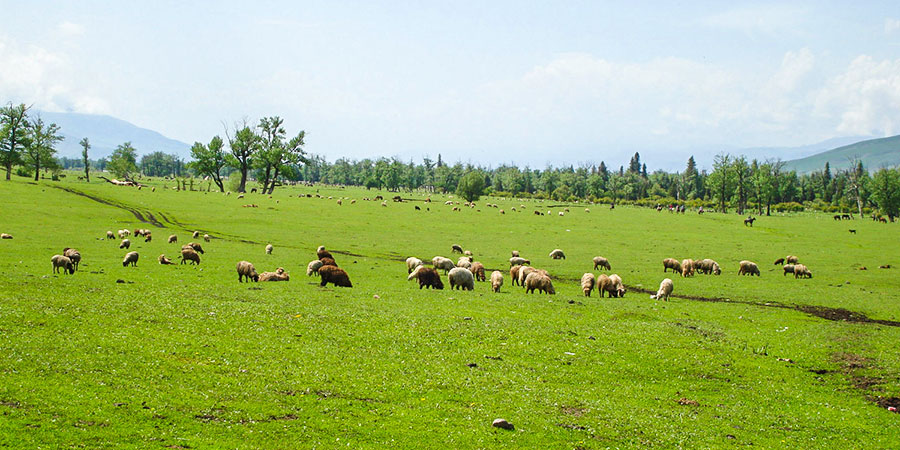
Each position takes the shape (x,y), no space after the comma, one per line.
(520,82)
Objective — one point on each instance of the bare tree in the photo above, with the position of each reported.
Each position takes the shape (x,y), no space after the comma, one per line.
(856,178)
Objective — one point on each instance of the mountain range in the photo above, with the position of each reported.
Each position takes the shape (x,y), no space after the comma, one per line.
(106,133)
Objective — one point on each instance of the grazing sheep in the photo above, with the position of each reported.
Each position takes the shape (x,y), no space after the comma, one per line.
(791,259)
(600,261)
(326,261)
(334,275)
(587,210)
(539,281)
(708,266)
(163,260)
(130,258)
(148,237)
(322,253)
(748,268)
(189,254)
(496,280)
(125,243)
(455,249)
(461,279)
(64,262)
(665,289)
(801,271)
(110,235)
(515,253)
(671,263)
(278,275)
(514,273)
(603,284)
(445,264)
(477,270)
(206,237)
(524,271)
(518,261)
(195,235)
(587,283)
(561,214)
(557,254)
(269,249)
(412,262)
(313,267)
(464,261)
(73,255)
(382,204)
(427,277)
(616,285)
(197,247)
(788,268)
(467,253)
(246,269)
(779,261)
(173,239)
(687,268)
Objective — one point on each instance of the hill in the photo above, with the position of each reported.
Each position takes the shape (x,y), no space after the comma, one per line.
(106,133)
(874,154)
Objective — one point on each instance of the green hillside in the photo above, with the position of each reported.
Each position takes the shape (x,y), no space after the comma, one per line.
(874,153)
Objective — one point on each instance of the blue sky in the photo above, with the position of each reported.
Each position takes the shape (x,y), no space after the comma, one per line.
(524,82)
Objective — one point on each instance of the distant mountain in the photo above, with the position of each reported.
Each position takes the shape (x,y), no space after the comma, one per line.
(874,154)
(106,133)
(791,153)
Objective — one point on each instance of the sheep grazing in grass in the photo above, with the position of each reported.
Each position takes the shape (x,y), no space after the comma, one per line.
(514,273)
(788,268)
(687,267)
(461,279)
(278,275)
(125,243)
(73,255)
(671,263)
(412,262)
(313,267)
(779,261)
(427,277)
(110,235)
(557,254)
(322,253)
(539,281)
(326,261)
(188,254)
(616,286)
(269,249)
(194,245)
(587,283)
(791,259)
(600,261)
(496,280)
(587,210)
(445,264)
(195,235)
(64,262)
(164,261)
(524,271)
(801,271)
(464,261)
(477,270)
(665,289)
(246,270)
(130,258)
(603,284)
(748,268)
(206,237)
(173,239)
(708,266)
(455,249)
(515,253)
(148,237)
(334,275)
(515,260)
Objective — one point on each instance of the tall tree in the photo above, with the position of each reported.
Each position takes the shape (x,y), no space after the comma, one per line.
(720,181)
(244,146)
(13,135)
(471,186)
(123,161)
(856,176)
(85,146)
(827,188)
(742,174)
(274,153)
(40,148)
(634,166)
(885,187)
(209,160)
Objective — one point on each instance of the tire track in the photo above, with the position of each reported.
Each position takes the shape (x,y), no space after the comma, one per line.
(138,214)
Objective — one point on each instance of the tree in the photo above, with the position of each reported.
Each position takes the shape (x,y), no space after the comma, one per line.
(689,179)
(885,187)
(244,146)
(13,135)
(209,160)
(827,189)
(86,145)
(123,161)
(720,181)
(742,174)
(634,166)
(40,147)
(274,153)
(856,176)
(470,186)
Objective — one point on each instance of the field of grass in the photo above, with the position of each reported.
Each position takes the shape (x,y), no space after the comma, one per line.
(186,357)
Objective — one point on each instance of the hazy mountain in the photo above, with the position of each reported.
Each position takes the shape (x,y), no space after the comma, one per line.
(106,133)
(874,154)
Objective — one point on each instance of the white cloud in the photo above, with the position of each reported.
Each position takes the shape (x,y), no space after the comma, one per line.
(772,19)
(70,29)
(864,99)
(891,25)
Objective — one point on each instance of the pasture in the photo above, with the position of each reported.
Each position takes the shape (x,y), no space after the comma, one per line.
(184,356)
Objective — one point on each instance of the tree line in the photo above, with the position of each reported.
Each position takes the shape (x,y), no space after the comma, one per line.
(264,152)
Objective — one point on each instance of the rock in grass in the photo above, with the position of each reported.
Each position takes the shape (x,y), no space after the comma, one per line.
(503,423)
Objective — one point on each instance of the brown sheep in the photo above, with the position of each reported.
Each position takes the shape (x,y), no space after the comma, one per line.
(110,235)
(539,281)
(73,255)
(277,275)
(523,273)
(130,258)
(334,275)
(788,268)
(600,261)
(246,269)
(514,273)
(748,268)
(64,262)
(603,284)
(148,237)
(428,277)
(708,266)
(197,247)
(779,261)
(587,283)
(327,261)
(173,239)
(477,270)
(671,263)
(188,254)
(163,260)
(125,243)
(791,259)
(456,249)
(687,268)
(322,253)
(801,271)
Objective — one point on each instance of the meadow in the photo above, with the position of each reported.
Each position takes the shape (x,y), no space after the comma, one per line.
(186,357)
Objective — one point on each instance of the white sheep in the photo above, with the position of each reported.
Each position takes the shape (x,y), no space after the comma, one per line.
(445,264)
(587,283)
(125,243)
(557,254)
(496,280)
(412,262)
(130,258)
(665,289)
(269,249)
(64,262)
(313,267)
(515,260)
(461,279)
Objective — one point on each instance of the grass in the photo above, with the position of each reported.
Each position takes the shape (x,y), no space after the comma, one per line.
(185,356)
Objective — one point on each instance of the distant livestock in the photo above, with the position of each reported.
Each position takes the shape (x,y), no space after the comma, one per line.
(130,258)
(557,254)
(334,275)
(246,270)
(427,277)
(539,281)
(665,289)
(600,261)
(60,261)
(748,268)
(496,280)
(445,264)
(461,279)
(587,283)
(671,263)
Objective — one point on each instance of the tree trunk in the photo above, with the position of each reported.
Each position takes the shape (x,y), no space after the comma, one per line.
(87,173)
(274,177)
(37,168)
(243,187)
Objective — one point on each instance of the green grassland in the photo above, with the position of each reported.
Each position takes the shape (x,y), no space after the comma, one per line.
(186,357)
